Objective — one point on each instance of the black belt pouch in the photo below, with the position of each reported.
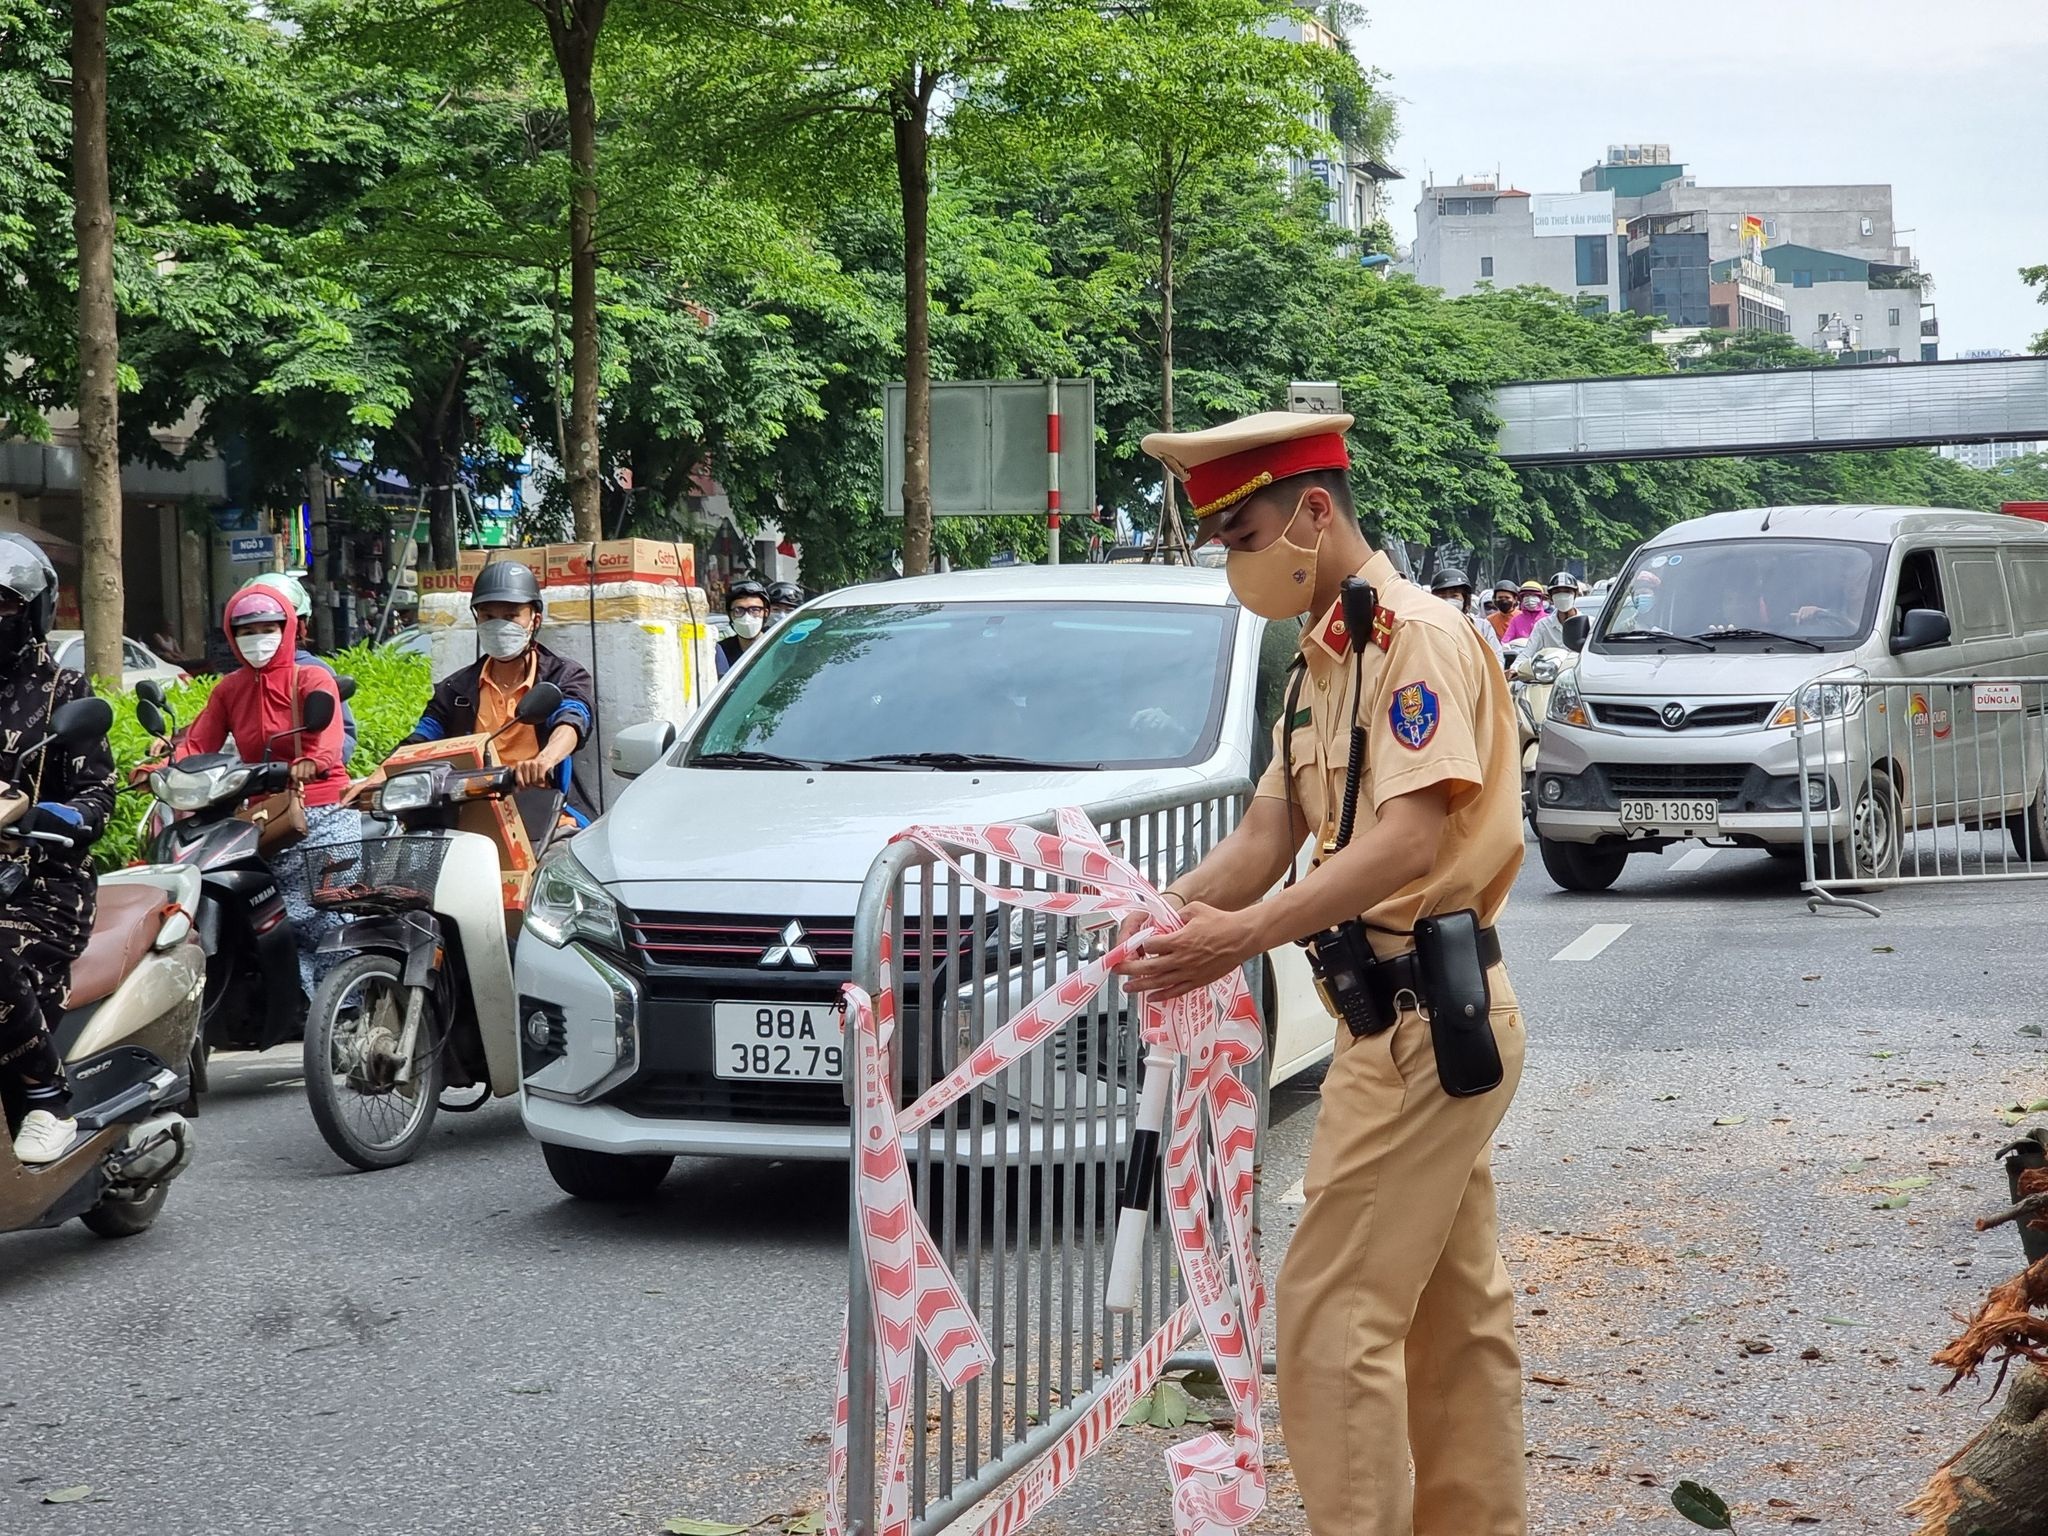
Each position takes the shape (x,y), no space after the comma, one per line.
(1460,1005)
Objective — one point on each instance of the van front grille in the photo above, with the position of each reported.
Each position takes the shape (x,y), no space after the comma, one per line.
(1705,718)
(1723,783)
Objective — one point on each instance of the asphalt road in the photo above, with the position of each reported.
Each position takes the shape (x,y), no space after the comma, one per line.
(453,1346)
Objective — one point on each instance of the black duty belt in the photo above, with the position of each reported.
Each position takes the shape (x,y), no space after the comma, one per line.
(1389,979)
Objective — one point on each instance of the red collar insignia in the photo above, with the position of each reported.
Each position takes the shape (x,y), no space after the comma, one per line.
(1382,627)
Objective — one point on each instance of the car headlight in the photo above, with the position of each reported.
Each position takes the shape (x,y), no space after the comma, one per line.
(407,792)
(1080,938)
(567,903)
(184,790)
(1543,669)
(1566,707)
(1820,701)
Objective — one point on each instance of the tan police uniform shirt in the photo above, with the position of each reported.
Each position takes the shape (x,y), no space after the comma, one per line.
(1437,711)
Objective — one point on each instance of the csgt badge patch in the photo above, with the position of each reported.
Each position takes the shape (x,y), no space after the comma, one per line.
(1413,714)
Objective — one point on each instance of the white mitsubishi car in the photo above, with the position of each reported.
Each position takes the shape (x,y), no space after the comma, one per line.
(720,887)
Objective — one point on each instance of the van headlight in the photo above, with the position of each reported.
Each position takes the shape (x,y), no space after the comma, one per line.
(1566,707)
(567,903)
(1821,701)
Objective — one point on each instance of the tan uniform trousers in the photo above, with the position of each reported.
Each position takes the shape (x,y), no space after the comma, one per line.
(1395,1315)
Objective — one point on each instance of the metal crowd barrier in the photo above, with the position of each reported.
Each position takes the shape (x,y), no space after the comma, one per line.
(1937,780)
(1018,1182)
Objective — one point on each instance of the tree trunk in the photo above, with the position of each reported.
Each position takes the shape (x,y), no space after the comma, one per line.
(1173,540)
(319,564)
(101,597)
(573,29)
(913,170)
(1997,1485)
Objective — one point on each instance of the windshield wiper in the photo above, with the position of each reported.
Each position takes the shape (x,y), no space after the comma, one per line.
(1658,635)
(1761,634)
(751,759)
(945,760)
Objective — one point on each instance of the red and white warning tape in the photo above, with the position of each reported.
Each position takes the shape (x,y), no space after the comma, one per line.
(1218,1486)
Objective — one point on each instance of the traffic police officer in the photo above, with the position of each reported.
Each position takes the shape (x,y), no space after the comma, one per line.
(1396,1318)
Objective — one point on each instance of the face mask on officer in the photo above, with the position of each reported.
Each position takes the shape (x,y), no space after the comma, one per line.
(1278,581)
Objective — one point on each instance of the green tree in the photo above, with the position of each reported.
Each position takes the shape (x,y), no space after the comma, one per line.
(2037,277)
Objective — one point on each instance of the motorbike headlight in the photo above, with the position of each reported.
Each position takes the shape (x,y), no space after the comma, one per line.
(567,903)
(183,790)
(1566,707)
(407,792)
(1543,669)
(1820,701)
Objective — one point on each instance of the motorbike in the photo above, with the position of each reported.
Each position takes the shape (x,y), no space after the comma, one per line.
(125,1033)
(253,1000)
(1531,696)
(425,1004)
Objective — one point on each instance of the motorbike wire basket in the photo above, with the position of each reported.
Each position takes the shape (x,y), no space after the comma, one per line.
(378,874)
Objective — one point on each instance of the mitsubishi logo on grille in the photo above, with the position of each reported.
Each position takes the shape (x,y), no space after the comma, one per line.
(791,951)
(1673,715)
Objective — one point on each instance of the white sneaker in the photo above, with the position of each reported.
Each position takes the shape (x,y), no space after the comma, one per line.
(44,1138)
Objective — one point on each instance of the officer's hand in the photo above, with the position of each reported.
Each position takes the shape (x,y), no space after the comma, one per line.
(1209,945)
(1140,920)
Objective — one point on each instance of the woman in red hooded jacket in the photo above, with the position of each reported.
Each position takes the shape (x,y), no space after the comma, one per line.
(261,705)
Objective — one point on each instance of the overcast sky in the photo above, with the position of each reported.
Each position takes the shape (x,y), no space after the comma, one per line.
(1942,100)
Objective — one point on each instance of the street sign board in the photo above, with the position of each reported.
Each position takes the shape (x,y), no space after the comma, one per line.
(989,453)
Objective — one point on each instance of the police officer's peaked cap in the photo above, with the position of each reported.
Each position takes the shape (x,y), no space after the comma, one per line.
(1223,465)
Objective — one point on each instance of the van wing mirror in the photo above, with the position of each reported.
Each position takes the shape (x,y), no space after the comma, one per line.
(1578,629)
(1920,629)
(638,748)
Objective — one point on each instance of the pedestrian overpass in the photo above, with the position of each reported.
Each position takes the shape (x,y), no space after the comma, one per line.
(1793,410)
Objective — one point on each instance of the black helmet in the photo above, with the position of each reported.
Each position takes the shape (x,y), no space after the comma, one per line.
(1563,581)
(1448,578)
(26,572)
(747,588)
(785,594)
(505,581)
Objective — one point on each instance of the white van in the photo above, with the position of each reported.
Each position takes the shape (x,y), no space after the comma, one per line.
(1724,633)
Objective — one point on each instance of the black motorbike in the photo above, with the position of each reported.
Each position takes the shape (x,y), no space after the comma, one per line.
(252,999)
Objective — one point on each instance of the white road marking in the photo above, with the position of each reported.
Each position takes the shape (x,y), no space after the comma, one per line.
(1592,941)
(1693,860)
(1294,1195)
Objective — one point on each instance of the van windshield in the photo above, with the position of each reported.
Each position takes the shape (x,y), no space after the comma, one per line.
(1745,594)
(979,685)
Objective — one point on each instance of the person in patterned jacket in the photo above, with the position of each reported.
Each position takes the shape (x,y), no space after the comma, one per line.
(44,926)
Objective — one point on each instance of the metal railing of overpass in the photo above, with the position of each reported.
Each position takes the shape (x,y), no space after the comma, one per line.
(1701,414)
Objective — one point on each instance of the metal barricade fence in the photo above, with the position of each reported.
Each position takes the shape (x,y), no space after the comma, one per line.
(1018,1181)
(1936,780)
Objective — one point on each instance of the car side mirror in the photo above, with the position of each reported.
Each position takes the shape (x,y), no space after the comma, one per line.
(639,748)
(1920,629)
(149,691)
(1578,629)
(81,722)
(151,718)
(540,703)
(318,711)
(346,687)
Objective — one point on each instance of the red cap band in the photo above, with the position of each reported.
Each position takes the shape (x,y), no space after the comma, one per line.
(1222,483)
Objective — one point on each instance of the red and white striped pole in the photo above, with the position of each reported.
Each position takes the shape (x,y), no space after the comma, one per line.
(1052,470)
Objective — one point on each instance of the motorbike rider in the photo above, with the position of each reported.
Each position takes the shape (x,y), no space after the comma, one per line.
(45,924)
(746,603)
(1528,610)
(294,591)
(784,598)
(261,705)
(485,695)
(1549,630)
(1455,588)
(1506,598)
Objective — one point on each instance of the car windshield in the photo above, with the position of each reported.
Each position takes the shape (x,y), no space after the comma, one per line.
(1064,685)
(1744,594)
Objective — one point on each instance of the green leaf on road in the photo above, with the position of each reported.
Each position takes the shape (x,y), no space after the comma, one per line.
(1733,1120)
(2031,1029)
(1702,1506)
(1664,1098)
(683,1525)
(1882,1055)
(1900,1186)
(809,1523)
(1882,949)
(1166,1406)
(67,1495)
(1896,1203)
(1839,1321)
